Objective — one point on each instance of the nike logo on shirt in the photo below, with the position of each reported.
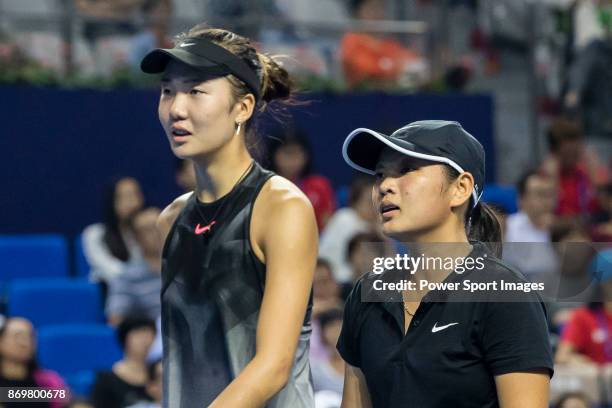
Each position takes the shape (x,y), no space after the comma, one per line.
(200,230)
(437,328)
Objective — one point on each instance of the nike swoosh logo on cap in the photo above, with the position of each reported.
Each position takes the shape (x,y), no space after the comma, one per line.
(186,44)
(437,328)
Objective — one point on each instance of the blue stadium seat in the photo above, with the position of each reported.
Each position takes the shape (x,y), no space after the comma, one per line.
(47,301)
(27,256)
(342,195)
(77,351)
(504,197)
(80,262)
(80,384)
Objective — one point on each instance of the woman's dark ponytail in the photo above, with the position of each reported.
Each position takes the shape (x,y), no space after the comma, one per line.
(482,222)
(485,226)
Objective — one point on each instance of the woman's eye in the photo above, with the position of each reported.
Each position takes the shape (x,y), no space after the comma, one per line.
(196,92)
(165,91)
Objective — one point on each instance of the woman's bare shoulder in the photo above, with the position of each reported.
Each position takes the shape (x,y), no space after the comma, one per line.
(169,214)
(278,190)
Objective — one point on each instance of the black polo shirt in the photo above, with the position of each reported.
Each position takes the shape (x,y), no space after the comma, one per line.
(452,351)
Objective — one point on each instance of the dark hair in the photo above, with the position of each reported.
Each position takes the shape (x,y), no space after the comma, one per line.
(521,185)
(324,263)
(482,221)
(355,5)
(359,238)
(560,230)
(32,365)
(283,137)
(329,316)
(562,130)
(151,369)
(131,323)
(360,183)
(606,188)
(276,84)
(112,237)
(574,394)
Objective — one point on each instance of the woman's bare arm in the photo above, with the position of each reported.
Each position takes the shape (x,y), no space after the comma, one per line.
(355,393)
(523,389)
(289,244)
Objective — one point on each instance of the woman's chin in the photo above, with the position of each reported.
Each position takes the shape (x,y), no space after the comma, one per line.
(390,229)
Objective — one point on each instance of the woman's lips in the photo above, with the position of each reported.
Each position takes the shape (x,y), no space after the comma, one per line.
(388,214)
(180,139)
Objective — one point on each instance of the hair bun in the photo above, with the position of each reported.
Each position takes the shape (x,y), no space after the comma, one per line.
(275,80)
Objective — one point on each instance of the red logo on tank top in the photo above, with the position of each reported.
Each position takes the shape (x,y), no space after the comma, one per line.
(201,230)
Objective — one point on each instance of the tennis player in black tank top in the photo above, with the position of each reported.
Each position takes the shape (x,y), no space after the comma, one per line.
(240,251)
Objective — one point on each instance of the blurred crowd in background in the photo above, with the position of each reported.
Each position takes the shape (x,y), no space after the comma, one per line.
(563,195)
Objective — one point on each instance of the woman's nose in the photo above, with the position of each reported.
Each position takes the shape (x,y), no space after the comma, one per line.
(178,108)
(385,186)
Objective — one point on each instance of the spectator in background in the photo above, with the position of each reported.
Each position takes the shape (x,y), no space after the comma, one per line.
(601,231)
(126,383)
(325,297)
(292,159)
(325,289)
(575,256)
(153,387)
(136,290)
(157,14)
(373,58)
(361,251)
(108,27)
(589,84)
(18,366)
(359,216)
(109,245)
(587,337)
(328,374)
(537,199)
(185,175)
(573,400)
(574,168)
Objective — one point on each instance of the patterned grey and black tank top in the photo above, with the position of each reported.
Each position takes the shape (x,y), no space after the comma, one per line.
(212,288)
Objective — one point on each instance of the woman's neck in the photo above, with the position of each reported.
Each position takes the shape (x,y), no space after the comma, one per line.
(451,231)
(446,241)
(218,174)
(134,361)
(14,371)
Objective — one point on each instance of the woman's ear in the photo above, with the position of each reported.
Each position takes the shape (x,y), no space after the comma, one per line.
(462,190)
(245,107)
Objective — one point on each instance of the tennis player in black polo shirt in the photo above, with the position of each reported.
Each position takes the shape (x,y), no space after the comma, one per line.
(423,353)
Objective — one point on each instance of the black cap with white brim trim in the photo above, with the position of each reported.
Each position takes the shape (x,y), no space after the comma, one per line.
(438,141)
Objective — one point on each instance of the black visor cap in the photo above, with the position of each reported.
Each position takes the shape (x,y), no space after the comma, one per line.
(203,55)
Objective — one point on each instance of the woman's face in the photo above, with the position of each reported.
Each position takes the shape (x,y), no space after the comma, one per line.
(196,112)
(575,402)
(290,160)
(324,285)
(139,341)
(128,197)
(146,232)
(331,332)
(17,343)
(410,195)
